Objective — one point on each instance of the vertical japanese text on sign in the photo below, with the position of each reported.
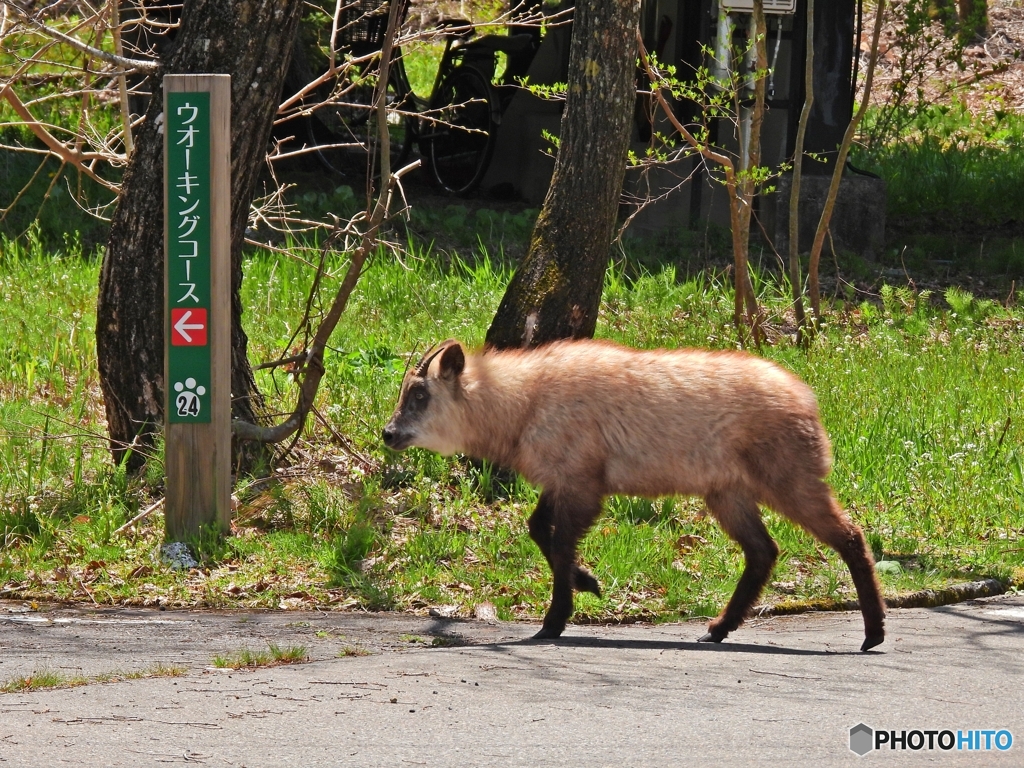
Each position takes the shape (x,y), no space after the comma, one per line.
(187,126)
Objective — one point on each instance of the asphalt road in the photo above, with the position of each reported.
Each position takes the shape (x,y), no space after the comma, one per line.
(782,691)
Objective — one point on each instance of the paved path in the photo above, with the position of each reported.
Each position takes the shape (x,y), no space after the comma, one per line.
(784,691)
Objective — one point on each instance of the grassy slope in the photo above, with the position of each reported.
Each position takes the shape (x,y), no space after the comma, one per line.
(923,407)
(947,181)
(924,410)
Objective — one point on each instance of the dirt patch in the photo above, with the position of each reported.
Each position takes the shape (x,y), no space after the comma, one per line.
(993,76)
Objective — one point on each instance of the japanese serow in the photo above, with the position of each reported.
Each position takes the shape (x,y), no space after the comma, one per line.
(588,419)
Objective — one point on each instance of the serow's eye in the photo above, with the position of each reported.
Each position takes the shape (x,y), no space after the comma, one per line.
(419,395)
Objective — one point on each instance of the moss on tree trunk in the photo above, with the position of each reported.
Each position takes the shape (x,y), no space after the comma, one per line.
(556,291)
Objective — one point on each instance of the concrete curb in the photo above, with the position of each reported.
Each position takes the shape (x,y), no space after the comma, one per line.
(925,598)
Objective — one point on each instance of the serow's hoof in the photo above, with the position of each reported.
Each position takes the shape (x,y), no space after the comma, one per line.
(871,642)
(548,634)
(710,638)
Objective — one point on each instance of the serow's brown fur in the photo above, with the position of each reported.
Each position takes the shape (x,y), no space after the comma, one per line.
(587,419)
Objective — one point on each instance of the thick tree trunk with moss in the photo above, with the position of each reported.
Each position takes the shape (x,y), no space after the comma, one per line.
(556,291)
(251,41)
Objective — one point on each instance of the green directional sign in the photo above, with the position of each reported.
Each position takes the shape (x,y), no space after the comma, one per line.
(196,130)
(187,134)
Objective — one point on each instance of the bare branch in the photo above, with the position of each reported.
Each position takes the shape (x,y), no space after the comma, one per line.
(74,157)
(122,81)
(736,197)
(798,168)
(314,368)
(343,441)
(314,356)
(291,359)
(837,172)
(24,189)
(149,67)
(647,200)
(704,149)
(143,514)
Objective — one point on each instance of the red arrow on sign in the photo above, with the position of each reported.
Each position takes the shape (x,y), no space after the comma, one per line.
(188,327)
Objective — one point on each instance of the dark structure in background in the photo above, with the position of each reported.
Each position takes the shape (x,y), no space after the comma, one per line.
(834,29)
(677,30)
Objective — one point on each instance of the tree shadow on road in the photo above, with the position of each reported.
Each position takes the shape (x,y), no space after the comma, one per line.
(1000,620)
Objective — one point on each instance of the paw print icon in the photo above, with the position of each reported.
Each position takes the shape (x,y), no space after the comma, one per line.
(187,402)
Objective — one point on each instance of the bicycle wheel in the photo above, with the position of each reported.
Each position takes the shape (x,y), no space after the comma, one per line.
(460,143)
(346,128)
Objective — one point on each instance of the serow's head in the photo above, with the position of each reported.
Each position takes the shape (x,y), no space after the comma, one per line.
(429,406)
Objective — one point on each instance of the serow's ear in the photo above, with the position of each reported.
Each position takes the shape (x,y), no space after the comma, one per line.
(453,360)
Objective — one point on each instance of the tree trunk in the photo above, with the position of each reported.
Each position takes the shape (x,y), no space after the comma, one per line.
(741,202)
(251,41)
(795,280)
(556,291)
(969,18)
(813,286)
(973,18)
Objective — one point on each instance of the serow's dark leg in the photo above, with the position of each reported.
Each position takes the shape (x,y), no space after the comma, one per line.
(541,527)
(850,545)
(817,510)
(741,520)
(557,528)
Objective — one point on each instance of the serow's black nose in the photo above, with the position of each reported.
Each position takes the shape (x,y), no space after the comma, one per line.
(389,435)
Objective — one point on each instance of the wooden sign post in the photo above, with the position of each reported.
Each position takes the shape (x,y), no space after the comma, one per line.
(197,303)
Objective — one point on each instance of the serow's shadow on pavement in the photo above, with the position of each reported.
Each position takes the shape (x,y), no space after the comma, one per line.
(448,628)
(679,645)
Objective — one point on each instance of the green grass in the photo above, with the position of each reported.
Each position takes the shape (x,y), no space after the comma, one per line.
(76,109)
(245,658)
(423,59)
(52,203)
(43,680)
(47,679)
(353,651)
(421,62)
(53,472)
(920,394)
(157,670)
(948,181)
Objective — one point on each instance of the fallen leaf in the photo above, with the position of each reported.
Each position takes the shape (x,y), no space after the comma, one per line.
(689,542)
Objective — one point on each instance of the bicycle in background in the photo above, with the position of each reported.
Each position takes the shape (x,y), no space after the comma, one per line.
(458,129)
(342,127)
(454,128)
